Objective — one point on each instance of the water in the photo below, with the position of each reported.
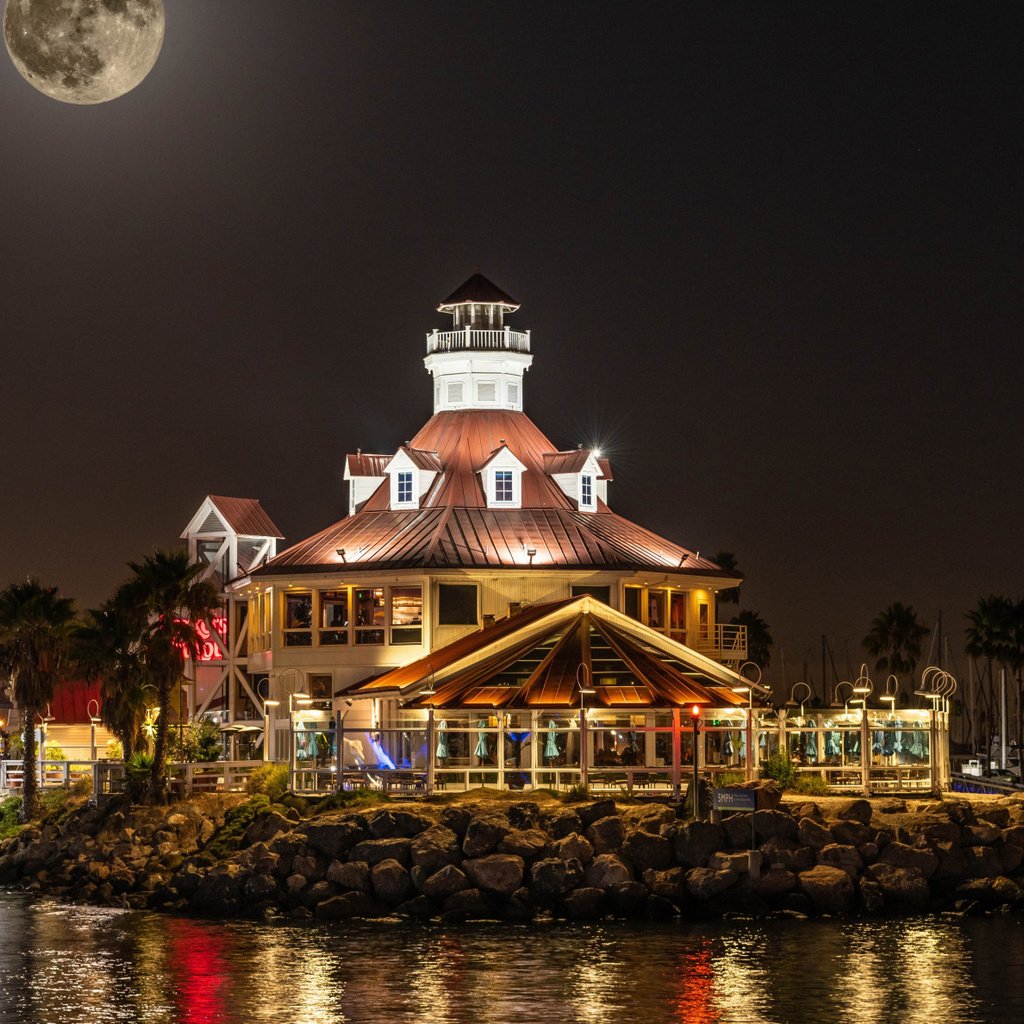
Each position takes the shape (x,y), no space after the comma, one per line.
(83,965)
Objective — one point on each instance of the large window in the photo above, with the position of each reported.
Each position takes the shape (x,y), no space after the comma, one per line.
(298,618)
(405,487)
(406,615)
(369,605)
(456,604)
(333,618)
(601,593)
(503,485)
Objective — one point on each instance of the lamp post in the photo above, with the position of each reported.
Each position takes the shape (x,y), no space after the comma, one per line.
(695,718)
(749,691)
(94,720)
(267,734)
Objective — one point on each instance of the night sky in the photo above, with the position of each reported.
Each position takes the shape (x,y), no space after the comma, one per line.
(770,255)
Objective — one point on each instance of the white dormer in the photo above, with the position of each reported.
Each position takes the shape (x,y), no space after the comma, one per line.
(230,537)
(578,474)
(364,474)
(502,479)
(411,472)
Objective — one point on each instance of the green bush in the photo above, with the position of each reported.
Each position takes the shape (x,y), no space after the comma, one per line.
(10,809)
(810,784)
(271,780)
(726,779)
(575,794)
(229,836)
(54,752)
(780,768)
(196,743)
(139,765)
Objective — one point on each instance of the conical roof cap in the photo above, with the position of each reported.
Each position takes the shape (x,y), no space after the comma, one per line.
(478,289)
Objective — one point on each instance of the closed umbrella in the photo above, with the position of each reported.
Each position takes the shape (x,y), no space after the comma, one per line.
(442,740)
(917,744)
(551,742)
(811,750)
(481,740)
(831,744)
(727,746)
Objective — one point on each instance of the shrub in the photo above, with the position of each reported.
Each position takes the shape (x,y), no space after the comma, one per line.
(10,809)
(115,752)
(810,784)
(229,836)
(55,752)
(780,768)
(196,742)
(729,779)
(271,780)
(576,794)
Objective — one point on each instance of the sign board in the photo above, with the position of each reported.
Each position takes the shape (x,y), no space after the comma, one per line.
(735,800)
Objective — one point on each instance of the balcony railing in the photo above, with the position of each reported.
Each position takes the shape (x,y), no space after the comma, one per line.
(468,340)
(723,642)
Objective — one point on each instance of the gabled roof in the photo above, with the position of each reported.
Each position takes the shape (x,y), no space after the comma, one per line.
(454,528)
(364,464)
(532,660)
(478,289)
(245,516)
(567,462)
(606,469)
(422,459)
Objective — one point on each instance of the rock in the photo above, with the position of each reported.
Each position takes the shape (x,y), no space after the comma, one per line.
(584,904)
(669,885)
(574,847)
(645,850)
(703,883)
(484,833)
(982,862)
(318,892)
(263,828)
(589,813)
(951,861)
(457,819)
(390,824)
(661,909)
(846,858)
(812,833)
(336,839)
(900,855)
(1010,856)
(562,823)
(526,843)
(373,851)
(628,899)
(435,847)
(353,874)
(890,806)
(768,793)
(738,831)
(390,882)
(498,873)
(769,824)
(1014,835)
(220,891)
(991,892)
(649,817)
(904,885)
(829,889)
(524,815)
(850,832)
(294,885)
(805,810)
(553,877)
(998,816)
(606,834)
(738,862)
(935,829)
(469,904)
(868,852)
(959,811)
(348,905)
(855,810)
(607,870)
(774,882)
(870,896)
(788,854)
(309,867)
(696,841)
(417,907)
(260,887)
(445,882)
(982,834)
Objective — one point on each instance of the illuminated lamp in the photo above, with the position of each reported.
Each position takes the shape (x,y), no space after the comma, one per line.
(863,691)
(695,712)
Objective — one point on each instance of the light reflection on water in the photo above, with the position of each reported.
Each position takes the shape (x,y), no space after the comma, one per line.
(80,965)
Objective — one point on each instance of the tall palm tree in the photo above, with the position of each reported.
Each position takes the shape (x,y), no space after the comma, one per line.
(171,598)
(731,595)
(895,640)
(759,637)
(36,626)
(109,647)
(996,634)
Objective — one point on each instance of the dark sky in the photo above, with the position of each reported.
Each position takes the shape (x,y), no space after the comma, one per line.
(770,255)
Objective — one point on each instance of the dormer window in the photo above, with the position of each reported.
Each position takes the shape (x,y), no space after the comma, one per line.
(502,479)
(405,491)
(587,503)
(411,472)
(503,485)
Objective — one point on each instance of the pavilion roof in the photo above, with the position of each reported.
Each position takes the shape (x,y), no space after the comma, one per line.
(480,290)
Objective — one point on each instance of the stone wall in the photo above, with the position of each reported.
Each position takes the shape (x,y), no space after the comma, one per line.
(519,861)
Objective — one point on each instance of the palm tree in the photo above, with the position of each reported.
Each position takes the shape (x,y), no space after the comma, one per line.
(109,646)
(36,626)
(731,595)
(996,634)
(171,596)
(759,637)
(895,640)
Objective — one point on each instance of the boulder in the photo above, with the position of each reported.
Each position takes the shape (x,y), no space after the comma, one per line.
(499,873)
(814,834)
(524,815)
(373,851)
(584,904)
(390,882)
(951,861)
(606,834)
(903,885)
(738,862)
(703,883)
(607,870)
(852,832)
(774,882)
(982,862)
(669,885)
(991,892)
(562,823)
(769,824)
(589,813)
(982,834)
(335,839)
(892,805)
(788,854)
(1014,835)
(649,817)
(645,850)
(661,909)
(696,841)
(417,907)
(219,892)
(264,827)
(935,829)
(998,816)
(353,874)
(846,858)
(628,899)
(855,810)
(391,824)
(258,888)
(830,889)
(309,866)
(870,896)
(318,892)
(445,882)
(435,847)
(525,843)
(457,819)
(738,830)
(805,810)
(553,877)
(484,833)
(348,905)
(574,847)
(899,855)
(469,904)
(1010,856)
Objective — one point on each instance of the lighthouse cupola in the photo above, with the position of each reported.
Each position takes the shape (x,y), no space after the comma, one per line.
(479,362)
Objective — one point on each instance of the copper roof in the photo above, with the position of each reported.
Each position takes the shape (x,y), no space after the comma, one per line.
(363,464)
(453,528)
(245,516)
(422,459)
(534,659)
(566,462)
(478,289)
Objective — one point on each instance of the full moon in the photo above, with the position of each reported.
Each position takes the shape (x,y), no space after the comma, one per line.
(84,51)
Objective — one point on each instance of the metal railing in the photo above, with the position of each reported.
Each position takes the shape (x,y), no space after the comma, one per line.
(468,340)
(722,640)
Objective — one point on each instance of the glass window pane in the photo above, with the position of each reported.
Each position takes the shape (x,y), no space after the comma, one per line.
(632,602)
(370,606)
(456,603)
(298,610)
(333,608)
(656,609)
(406,606)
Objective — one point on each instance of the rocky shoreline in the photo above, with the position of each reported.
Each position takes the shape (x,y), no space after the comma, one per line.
(523,860)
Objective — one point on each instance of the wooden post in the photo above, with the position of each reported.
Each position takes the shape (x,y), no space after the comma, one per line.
(677,754)
(865,752)
(583,746)
(430,750)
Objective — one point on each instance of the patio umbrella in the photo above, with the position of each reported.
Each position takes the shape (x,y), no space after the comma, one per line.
(727,745)
(888,747)
(917,744)
(831,744)
(811,750)
(877,742)
(551,742)
(442,740)
(481,739)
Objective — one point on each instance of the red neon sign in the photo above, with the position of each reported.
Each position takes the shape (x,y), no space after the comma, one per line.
(208,648)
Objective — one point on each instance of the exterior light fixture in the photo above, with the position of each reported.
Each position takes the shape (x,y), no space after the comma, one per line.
(340,553)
